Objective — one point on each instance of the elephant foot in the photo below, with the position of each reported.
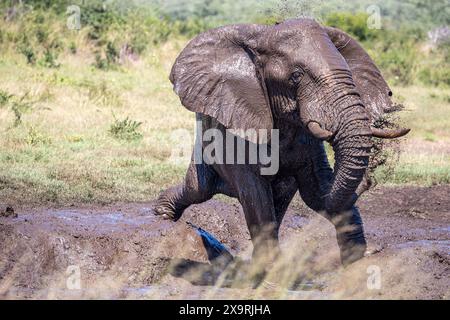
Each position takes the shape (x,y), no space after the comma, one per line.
(351,253)
(353,247)
(166,205)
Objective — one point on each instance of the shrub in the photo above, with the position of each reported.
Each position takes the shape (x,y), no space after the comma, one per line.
(99,19)
(49,59)
(138,43)
(435,68)
(112,54)
(107,58)
(398,63)
(4,98)
(397,53)
(28,53)
(113,30)
(353,23)
(100,62)
(19,107)
(126,129)
(192,27)
(35,137)
(41,35)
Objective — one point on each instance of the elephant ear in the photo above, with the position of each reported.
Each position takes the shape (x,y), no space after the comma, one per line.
(374,90)
(216,75)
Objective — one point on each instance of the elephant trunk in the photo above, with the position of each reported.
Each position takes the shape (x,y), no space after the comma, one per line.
(351,144)
(335,112)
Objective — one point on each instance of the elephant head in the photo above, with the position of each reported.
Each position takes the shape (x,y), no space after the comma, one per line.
(256,76)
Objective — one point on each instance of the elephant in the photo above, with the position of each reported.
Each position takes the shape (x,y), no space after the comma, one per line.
(312,83)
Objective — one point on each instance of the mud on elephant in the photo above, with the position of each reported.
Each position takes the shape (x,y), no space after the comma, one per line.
(310,82)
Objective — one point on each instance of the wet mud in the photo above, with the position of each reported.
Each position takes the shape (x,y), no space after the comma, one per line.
(123,251)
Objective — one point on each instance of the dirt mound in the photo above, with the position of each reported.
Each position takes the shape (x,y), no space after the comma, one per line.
(124,251)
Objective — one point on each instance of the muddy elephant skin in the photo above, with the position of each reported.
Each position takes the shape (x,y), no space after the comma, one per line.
(310,82)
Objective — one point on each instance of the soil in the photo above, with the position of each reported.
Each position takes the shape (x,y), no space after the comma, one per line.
(123,251)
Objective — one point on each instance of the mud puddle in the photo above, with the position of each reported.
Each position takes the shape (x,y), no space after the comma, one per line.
(123,251)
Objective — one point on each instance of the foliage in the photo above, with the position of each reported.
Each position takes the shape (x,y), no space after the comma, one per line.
(4,98)
(435,70)
(404,54)
(19,106)
(116,31)
(49,59)
(28,53)
(35,137)
(354,24)
(125,129)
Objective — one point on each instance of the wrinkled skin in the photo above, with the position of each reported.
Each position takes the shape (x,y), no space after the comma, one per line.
(310,82)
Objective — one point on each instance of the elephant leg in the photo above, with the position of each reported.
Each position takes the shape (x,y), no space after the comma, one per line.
(313,182)
(283,191)
(198,187)
(255,195)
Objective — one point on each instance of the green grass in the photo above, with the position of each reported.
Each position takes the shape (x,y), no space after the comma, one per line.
(425,155)
(73,145)
(419,169)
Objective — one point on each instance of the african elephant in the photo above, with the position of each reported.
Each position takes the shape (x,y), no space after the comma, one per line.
(313,84)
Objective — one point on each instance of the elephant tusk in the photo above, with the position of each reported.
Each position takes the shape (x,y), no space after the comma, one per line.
(318,132)
(389,133)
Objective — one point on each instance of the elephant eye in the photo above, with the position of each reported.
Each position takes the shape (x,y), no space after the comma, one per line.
(296,76)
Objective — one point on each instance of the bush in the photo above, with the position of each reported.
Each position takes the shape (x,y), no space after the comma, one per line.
(19,106)
(125,129)
(99,19)
(191,27)
(397,54)
(5,98)
(108,57)
(400,53)
(100,62)
(113,30)
(35,137)
(29,54)
(353,23)
(398,63)
(49,59)
(41,35)
(138,43)
(435,68)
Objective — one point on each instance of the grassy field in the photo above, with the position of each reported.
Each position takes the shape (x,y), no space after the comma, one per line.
(425,154)
(78,134)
